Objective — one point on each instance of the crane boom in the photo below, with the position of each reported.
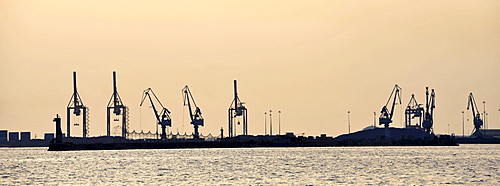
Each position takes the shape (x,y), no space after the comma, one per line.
(162,117)
(386,115)
(429,110)
(195,116)
(478,122)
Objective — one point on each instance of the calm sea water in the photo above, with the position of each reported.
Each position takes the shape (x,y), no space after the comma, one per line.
(465,164)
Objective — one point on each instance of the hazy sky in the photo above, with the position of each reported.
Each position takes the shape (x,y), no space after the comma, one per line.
(313,60)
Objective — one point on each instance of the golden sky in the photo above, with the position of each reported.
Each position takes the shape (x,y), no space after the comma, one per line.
(313,60)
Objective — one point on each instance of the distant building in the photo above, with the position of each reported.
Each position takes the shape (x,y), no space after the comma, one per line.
(13,136)
(48,136)
(25,136)
(491,132)
(3,136)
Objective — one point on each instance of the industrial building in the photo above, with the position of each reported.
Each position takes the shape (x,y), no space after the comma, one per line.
(3,136)
(13,136)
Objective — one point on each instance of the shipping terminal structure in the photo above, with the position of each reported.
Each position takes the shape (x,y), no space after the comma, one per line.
(418,128)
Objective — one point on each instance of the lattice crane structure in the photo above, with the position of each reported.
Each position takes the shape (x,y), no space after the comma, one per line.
(162,116)
(386,114)
(414,113)
(194,111)
(76,104)
(116,105)
(236,110)
(478,122)
(429,111)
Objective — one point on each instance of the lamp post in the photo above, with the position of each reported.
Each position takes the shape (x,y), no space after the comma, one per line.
(374,120)
(348,122)
(484,114)
(265,123)
(463,124)
(486,122)
(279,122)
(270,123)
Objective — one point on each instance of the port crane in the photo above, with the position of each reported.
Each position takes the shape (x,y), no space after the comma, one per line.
(429,111)
(162,116)
(386,114)
(235,110)
(195,115)
(115,103)
(76,104)
(478,122)
(412,111)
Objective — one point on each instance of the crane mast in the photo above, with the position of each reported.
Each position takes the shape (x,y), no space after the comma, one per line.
(195,115)
(162,117)
(429,110)
(386,115)
(478,122)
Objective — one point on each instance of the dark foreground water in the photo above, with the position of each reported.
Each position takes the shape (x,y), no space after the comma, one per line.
(465,164)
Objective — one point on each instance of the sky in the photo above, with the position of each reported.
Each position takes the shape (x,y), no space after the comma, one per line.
(312,60)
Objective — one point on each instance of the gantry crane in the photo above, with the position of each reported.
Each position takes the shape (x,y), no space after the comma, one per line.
(236,109)
(478,122)
(195,115)
(78,107)
(412,111)
(115,103)
(429,111)
(386,115)
(162,116)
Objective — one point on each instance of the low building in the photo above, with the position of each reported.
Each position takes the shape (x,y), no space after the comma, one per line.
(25,136)
(3,136)
(48,136)
(491,132)
(13,136)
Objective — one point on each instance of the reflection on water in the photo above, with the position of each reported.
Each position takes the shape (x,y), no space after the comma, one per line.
(465,164)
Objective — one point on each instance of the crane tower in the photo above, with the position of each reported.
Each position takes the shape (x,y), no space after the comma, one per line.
(237,109)
(386,114)
(414,111)
(162,116)
(115,103)
(195,115)
(429,111)
(478,122)
(76,104)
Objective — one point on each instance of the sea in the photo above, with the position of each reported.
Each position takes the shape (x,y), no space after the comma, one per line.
(404,165)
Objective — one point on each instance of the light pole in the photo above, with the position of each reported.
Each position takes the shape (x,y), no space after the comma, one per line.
(374,120)
(279,122)
(463,124)
(486,122)
(484,114)
(348,122)
(265,123)
(270,123)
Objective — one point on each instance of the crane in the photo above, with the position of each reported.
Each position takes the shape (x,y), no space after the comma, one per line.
(478,122)
(386,115)
(412,111)
(237,108)
(162,116)
(429,110)
(76,104)
(116,104)
(195,115)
